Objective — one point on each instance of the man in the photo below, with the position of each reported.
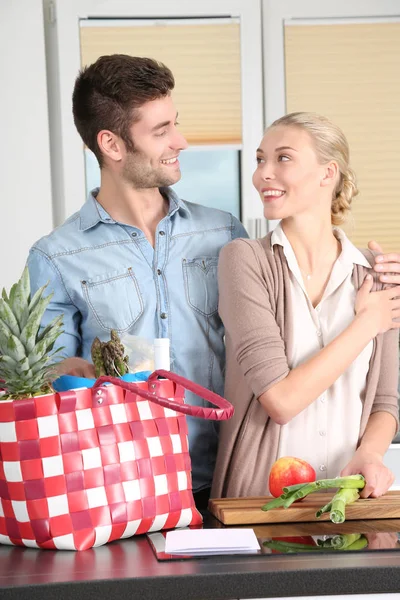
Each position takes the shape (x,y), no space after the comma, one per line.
(137,258)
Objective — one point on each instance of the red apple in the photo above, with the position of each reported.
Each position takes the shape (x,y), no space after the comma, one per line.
(289,471)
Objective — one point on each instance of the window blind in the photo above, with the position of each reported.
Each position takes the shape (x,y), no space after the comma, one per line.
(205,61)
(350,73)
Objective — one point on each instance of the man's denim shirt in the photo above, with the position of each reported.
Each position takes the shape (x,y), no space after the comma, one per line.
(105,275)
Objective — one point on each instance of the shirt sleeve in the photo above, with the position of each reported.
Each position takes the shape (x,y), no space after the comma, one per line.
(42,271)
(386,397)
(245,309)
(238,230)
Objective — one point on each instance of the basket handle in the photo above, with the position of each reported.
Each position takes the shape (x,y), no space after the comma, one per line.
(222,413)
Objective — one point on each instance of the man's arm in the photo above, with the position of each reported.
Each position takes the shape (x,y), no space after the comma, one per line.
(238,230)
(41,271)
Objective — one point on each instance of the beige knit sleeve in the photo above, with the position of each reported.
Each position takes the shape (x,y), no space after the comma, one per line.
(252,332)
(386,397)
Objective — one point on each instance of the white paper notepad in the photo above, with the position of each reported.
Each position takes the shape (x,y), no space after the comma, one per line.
(211,541)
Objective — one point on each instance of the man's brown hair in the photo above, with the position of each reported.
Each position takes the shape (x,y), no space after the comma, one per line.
(108,93)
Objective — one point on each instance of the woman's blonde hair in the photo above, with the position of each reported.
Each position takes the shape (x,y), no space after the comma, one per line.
(330,144)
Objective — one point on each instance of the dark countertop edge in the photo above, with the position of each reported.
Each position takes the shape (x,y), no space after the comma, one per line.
(365,579)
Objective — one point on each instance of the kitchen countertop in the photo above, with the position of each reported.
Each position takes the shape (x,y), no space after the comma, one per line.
(129,568)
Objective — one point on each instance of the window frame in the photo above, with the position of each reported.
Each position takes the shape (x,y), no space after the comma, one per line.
(275,14)
(63,64)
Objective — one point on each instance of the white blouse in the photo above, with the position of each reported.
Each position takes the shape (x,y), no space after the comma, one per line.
(326,433)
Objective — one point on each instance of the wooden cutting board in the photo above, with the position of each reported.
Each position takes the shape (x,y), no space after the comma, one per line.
(247,511)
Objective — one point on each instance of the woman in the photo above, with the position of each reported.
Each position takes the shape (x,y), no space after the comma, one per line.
(311,335)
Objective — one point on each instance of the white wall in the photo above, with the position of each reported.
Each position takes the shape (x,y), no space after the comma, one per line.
(25,180)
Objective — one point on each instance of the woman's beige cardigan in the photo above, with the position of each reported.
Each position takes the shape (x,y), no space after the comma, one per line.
(255,307)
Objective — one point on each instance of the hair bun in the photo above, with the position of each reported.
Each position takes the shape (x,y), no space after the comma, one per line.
(346,191)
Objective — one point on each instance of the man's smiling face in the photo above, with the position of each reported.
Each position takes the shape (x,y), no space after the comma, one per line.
(154,162)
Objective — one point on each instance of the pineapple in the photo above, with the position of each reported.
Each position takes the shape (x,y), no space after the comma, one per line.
(26,351)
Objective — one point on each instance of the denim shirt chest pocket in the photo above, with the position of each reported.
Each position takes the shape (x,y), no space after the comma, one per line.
(201,283)
(115,289)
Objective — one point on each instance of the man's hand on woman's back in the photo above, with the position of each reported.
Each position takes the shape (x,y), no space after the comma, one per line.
(387,265)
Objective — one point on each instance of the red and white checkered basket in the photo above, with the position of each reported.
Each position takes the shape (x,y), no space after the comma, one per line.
(82,468)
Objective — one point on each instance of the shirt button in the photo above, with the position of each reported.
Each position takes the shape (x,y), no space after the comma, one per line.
(318,308)
(322,467)
(134,234)
(162,232)
(322,398)
(319,333)
(322,433)
(158,271)
(163,315)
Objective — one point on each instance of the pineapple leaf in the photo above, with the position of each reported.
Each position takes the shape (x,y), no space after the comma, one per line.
(56,322)
(22,366)
(19,296)
(4,295)
(57,351)
(17,390)
(27,374)
(5,370)
(15,349)
(8,361)
(42,348)
(4,328)
(45,347)
(12,294)
(36,297)
(8,317)
(7,376)
(39,366)
(30,331)
(5,333)
(26,351)
(57,332)
(24,317)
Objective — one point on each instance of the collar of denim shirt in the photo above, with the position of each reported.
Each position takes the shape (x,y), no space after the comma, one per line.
(92,212)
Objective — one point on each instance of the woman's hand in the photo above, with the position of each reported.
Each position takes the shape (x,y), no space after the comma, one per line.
(381,307)
(378,478)
(387,265)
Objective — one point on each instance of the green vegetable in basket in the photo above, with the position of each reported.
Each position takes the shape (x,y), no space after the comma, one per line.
(109,357)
